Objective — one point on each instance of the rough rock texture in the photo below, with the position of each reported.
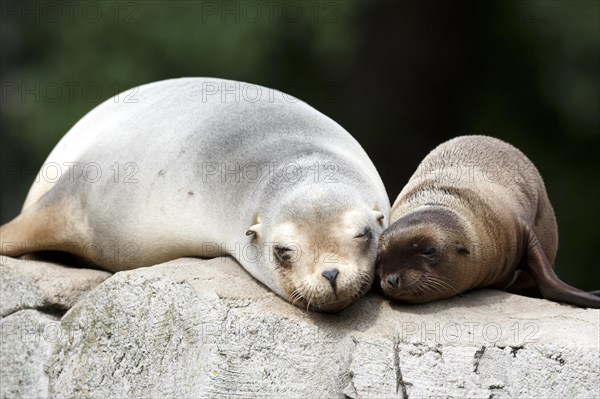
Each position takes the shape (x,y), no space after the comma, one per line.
(34,285)
(193,328)
(26,347)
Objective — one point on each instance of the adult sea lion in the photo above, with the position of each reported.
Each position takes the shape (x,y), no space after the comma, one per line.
(209,167)
(474,214)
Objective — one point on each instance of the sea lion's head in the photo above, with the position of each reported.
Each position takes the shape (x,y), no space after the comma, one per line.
(322,247)
(424,256)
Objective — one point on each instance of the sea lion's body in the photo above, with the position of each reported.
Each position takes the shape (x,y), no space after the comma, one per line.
(474,214)
(188,166)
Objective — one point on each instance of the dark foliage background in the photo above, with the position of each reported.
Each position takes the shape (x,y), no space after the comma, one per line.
(401,76)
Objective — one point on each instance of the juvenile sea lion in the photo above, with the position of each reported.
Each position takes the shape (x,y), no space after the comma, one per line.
(209,167)
(474,214)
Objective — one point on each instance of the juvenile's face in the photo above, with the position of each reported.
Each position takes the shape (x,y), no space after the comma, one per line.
(420,262)
(326,266)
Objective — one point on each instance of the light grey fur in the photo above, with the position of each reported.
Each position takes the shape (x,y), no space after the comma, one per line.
(175,132)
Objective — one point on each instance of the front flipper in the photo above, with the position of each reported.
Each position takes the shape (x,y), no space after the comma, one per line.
(550,286)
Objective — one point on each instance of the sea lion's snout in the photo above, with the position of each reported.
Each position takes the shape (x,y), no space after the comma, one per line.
(420,254)
(331,275)
(392,280)
(389,281)
(402,266)
(400,281)
(325,258)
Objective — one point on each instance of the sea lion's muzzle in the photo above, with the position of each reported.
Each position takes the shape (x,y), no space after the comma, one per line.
(331,275)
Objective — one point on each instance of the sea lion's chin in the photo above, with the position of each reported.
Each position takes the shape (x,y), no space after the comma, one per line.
(332,307)
(324,305)
(400,294)
(410,297)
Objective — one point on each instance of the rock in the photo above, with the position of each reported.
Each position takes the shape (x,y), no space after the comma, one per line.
(195,328)
(28,337)
(33,284)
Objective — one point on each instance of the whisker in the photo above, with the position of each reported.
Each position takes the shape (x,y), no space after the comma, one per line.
(434,285)
(298,294)
(310,298)
(445,283)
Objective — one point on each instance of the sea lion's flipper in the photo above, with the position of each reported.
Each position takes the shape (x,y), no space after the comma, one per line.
(524,285)
(551,287)
(17,237)
(37,228)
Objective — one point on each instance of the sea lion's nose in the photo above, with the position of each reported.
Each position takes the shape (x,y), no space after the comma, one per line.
(393,280)
(331,275)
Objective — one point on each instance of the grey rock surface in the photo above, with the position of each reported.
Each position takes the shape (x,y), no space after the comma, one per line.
(28,337)
(35,284)
(195,328)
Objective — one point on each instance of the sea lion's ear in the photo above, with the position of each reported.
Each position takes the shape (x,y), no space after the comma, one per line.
(379,216)
(254,229)
(550,285)
(462,249)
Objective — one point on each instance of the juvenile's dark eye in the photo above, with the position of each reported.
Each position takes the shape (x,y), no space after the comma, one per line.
(366,233)
(429,252)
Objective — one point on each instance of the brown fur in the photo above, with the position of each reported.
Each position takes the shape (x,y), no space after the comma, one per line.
(483,207)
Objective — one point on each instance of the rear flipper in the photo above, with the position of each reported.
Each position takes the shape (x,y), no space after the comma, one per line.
(549,284)
(36,229)
(16,238)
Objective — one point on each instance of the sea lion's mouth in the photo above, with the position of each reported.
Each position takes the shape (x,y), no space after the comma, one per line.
(402,293)
(334,302)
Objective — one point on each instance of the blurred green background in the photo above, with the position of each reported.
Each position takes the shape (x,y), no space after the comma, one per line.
(401,76)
